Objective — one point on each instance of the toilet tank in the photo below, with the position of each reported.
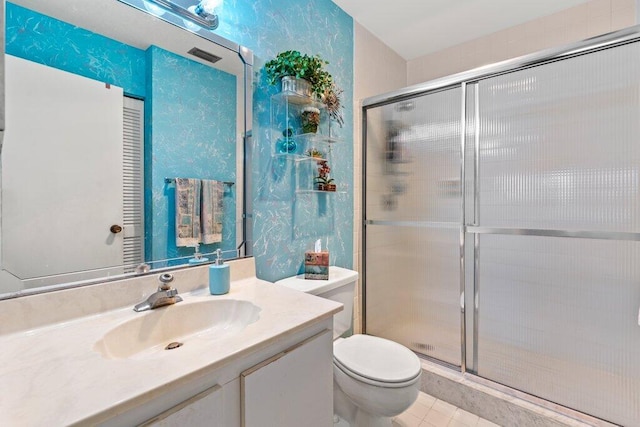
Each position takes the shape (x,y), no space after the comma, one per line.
(340,287)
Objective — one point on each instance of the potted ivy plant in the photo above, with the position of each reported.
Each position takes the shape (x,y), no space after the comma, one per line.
(305,75)
(291,64)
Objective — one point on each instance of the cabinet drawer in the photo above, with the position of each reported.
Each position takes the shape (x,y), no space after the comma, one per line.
(202,410)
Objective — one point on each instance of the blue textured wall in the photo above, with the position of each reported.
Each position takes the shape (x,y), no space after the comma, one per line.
(286,224)
(191,111)
(36,37)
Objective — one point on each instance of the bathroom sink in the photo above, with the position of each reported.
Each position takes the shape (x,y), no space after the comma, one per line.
(175,325)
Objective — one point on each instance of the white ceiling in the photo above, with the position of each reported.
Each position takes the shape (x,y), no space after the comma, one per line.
(414,28)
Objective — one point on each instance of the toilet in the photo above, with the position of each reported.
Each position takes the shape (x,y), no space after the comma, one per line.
(374,379)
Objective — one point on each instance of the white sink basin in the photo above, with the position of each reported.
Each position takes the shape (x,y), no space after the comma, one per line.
(152,331)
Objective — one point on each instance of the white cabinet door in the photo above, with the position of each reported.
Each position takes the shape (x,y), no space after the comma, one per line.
(202,410)
(293,388)
(61,172)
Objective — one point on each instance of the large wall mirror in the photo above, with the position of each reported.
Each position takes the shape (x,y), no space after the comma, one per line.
(107,104)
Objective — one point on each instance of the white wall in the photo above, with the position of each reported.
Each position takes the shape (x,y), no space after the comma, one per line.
(570,25)
(377,69)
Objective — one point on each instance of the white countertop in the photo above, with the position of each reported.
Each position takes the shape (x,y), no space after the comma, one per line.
(52,375)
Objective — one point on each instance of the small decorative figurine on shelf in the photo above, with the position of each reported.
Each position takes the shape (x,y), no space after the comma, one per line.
(322,181)
(310,119)
(332,100)
(316,154)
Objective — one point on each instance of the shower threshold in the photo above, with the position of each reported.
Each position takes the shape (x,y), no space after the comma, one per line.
(497,403)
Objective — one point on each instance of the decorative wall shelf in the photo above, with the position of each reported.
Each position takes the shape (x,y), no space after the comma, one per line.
(319,192)
(290,143)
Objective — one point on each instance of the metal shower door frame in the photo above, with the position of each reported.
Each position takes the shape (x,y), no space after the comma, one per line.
(465,80)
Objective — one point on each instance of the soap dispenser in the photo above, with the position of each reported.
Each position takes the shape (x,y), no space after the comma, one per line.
(219,277)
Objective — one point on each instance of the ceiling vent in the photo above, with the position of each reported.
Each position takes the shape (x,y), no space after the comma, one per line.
(203,54)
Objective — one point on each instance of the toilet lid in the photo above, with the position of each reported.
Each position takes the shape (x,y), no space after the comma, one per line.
(377,358)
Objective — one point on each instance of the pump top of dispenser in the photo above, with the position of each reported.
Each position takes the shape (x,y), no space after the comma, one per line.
(219,260)
(197,256)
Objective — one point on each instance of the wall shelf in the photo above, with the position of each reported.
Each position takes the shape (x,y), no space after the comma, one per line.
(291,144)
(294,98)
(319,192)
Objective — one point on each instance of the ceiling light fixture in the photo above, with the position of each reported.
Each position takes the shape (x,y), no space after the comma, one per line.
(204,12)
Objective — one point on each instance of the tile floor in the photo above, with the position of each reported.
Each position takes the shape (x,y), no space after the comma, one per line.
(431,412)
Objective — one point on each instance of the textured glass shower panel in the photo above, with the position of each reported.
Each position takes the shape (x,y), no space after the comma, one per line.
(559,144)
(413,206)
(413,159)
(413,288)
(558,318)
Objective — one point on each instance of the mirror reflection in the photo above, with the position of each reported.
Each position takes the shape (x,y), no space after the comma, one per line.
(104,111)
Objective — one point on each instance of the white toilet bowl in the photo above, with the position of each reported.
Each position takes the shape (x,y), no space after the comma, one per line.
(374,378)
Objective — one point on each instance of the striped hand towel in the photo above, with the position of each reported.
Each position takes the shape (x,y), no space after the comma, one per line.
(188,200)
(212,211)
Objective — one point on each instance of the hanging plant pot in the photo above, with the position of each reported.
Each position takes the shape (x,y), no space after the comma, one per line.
(288,65)
(310,118)
(292,84)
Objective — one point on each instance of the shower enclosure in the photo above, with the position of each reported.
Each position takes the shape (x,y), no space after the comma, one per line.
(502,223)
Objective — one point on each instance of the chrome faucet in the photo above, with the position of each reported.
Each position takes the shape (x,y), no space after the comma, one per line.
(165,295)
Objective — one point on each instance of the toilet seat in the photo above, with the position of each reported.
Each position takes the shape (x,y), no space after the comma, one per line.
(376,361)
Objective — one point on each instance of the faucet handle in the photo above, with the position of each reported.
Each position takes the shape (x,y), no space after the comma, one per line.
(165,279)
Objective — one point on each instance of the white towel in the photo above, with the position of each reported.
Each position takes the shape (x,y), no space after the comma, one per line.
(212,211)
(188,228)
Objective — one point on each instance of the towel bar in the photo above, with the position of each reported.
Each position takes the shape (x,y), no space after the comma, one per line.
(173,180)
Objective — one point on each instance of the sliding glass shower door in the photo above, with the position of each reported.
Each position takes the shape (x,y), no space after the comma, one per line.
(532,279)
(558,201)
(413,224)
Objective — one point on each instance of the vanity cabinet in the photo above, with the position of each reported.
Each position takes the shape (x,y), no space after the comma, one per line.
(288,384)
(293,388)
(199,380)
(293,139)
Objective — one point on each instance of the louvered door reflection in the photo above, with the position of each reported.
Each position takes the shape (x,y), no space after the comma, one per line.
(132,170)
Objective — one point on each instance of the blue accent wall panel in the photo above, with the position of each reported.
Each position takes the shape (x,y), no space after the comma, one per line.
(39,38)
(286,224)
(190,133)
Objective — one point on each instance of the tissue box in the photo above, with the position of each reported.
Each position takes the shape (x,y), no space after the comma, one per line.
(316,265)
